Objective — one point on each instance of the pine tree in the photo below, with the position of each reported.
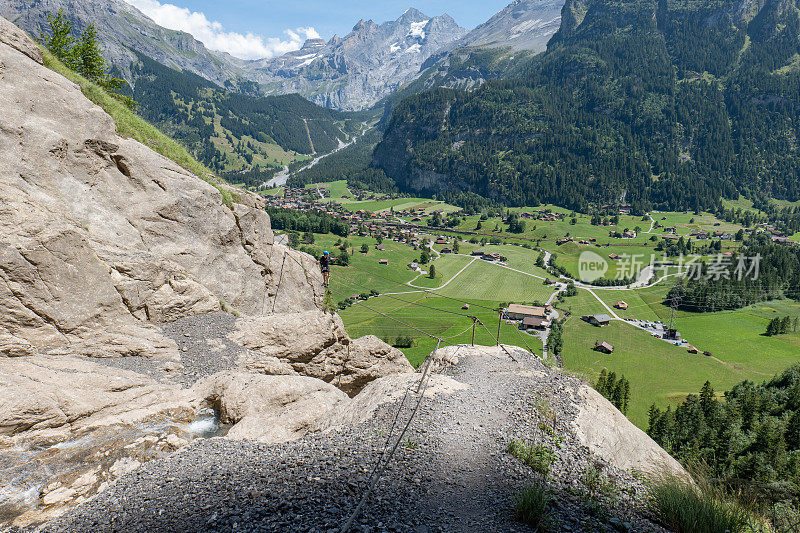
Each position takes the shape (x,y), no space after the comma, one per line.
(61,43)
(626,396)
(90,62)
(618,394)
(653,415)
(707,399)
(792,434)
(600,386)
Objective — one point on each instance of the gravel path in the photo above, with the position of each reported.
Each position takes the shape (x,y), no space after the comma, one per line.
(203,345)
(450,473)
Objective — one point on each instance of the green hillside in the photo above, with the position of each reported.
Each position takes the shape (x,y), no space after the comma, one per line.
(244,138)
(668,104)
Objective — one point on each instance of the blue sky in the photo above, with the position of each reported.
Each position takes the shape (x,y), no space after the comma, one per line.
(251,28)
(271,17)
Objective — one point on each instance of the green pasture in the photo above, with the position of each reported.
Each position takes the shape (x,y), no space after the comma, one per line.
(447,266)
(483,280)
(338,190)
(687,222)
(440,321)
(658,371)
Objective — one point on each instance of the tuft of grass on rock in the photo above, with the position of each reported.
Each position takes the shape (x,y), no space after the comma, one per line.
(683,508)
(536,456)
(132,126)
(530,506)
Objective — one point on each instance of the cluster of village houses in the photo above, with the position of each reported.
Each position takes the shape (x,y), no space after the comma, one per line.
(543,214)
(532,317)
(529,316)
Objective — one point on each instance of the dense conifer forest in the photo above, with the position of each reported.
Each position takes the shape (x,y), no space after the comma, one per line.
(760,271)
(748,441)
(666,104)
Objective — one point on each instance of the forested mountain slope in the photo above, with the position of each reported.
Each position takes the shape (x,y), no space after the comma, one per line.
(243,137)
(671,104)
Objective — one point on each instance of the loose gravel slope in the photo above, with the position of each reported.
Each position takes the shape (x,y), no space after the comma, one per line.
(451,472)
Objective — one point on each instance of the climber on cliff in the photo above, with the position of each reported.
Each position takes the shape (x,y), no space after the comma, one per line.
(324,263)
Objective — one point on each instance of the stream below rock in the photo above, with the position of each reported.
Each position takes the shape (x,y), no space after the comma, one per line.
(40,479)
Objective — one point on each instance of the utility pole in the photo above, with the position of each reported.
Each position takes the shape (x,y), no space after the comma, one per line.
(673,304)
(499,322)
(474,321)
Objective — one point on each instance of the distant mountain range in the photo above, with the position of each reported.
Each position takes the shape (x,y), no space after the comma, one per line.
(356,71)
(353,72)
(246,119)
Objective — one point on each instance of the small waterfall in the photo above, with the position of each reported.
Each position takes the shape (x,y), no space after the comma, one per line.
(206,424)
(39,480)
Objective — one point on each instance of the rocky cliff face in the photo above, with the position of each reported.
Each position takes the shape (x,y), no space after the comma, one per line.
(355,71)
(123,29)
(106,250)
(522,25)
(101,236)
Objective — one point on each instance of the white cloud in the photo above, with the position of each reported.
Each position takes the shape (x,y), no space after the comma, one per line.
(213,35)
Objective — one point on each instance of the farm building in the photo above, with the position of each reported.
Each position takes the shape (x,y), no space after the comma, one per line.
(413,265)
(519,312)
(441,240)
(383,261)
(478,252)
(380,247)
(621,305)
(533,322)
(447,250)
(598,320)
(691,349)
(603,347)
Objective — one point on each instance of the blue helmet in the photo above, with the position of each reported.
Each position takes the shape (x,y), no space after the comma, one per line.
(325,252)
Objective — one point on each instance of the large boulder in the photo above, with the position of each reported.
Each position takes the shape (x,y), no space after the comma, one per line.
(268,408)
(314,343)
(609,435)
(366,359)
(99,234)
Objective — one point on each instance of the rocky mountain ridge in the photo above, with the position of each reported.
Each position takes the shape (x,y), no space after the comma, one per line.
(495,49)
(522,25)
(123,30)
(355,71)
